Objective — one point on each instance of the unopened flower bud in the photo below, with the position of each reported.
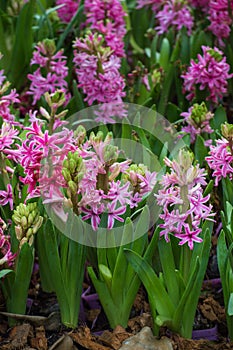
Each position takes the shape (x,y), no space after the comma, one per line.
(110,154)
(24,222)
(49,46)
(227,131)
(44,113)
(80,134)
(66,174)
(73,187)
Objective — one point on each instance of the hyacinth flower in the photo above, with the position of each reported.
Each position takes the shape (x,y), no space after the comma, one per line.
(67,10)
(209,72)
(197,121)
(183,242)
(27,221)
(97,70)
(101,192)
(220,19)
(7,99)
(221,155)
(107,18)
(175,14)
(51,73)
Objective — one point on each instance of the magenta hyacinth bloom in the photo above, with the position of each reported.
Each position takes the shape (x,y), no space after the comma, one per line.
(56,71)
(68,9)
(210,72)
(6,256)
(220,160)
(174,14)
(7,99)
(220,19)
(182,200)
(107,18)
(6,197)
(98,73)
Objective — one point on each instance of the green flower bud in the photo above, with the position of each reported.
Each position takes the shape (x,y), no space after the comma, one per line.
(72,166)
(66,174)
(227,131)
(80,134)
(49,46)
(110,154)
(29,233)
(185,159)
(37,224)
(73,187)
(24,222)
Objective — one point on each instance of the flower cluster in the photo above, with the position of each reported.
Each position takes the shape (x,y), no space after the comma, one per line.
(6,256)
(97,183)
(28,221)
(174,14)
(181,198)
(198,121)
(220,20)
(107,18)
(67,9)
(210,72)
(7,99)
(221,155)
(42,139)
(97,71)
(51,73)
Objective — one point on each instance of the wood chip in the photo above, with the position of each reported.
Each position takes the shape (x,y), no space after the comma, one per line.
(39,341)
(84,338)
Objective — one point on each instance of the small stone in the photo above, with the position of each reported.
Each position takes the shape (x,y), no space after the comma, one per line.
(145,340)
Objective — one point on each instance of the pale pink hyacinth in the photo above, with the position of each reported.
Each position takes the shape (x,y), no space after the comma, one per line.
(210,72)
(198,121)
(51,73)
(220,160)
(97,70)
(182,200)
(6,256)
(68,9)
(220,19)
(175,14)
(107,18)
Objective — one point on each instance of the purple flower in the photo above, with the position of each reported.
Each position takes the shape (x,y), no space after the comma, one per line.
(174,14)
(68,9)
(98,75)
(198,120)
(54,65)
(6,197)
(220,20)
(181,197)
(107,18)
(189,236)
(210,72)
(113,214)
(220,160)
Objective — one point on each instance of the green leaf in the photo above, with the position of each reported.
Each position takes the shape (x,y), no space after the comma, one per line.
(200,149)
(220,117)
(19,288)
(158,296)
(230,305)
(4,272)
(22,49)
